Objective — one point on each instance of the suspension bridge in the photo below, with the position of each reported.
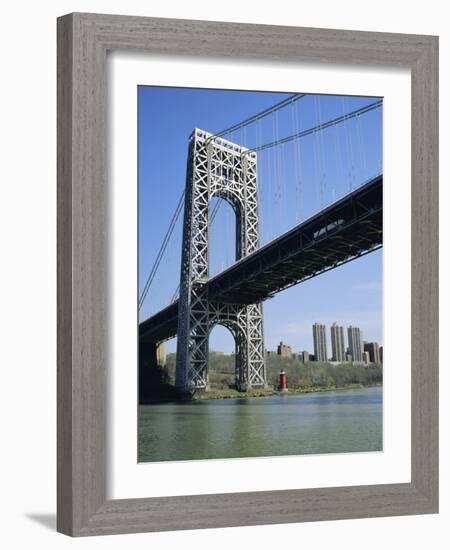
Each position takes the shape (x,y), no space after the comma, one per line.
(236,171)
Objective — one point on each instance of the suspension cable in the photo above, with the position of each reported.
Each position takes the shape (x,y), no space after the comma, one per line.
(270,110)
(162,249)
(317,128)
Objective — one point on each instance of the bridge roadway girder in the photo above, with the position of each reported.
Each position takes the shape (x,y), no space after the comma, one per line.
(344,231)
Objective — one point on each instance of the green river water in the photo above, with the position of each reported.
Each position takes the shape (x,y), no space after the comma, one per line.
(329,422)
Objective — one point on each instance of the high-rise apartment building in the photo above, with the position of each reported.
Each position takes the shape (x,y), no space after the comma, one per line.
(373,349)
(355,344)
(320,342)
(337,343)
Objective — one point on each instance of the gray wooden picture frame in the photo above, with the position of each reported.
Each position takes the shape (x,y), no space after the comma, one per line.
(83,41)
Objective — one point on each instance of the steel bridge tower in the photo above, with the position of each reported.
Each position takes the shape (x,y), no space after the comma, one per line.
(217,168)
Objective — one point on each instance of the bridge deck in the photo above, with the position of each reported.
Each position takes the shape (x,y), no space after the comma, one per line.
(345,230)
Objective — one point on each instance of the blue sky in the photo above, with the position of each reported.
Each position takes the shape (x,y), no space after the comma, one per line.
(295,180)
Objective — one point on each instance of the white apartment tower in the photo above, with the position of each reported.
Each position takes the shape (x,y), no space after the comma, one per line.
(320,342)
(337,343)
(355,344)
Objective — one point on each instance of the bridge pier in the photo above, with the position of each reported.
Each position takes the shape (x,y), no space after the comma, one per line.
(152,358)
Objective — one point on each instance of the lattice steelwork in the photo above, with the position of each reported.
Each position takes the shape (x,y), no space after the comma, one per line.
(217,168)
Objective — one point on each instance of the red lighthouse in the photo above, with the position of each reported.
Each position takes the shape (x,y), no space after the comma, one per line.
(283,385)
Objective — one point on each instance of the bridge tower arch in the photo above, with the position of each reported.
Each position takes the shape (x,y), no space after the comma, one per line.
(217,168)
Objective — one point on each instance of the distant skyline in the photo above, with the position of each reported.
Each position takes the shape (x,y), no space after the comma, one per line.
(350,294)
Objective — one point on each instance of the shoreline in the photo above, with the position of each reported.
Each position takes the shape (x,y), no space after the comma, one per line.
(230,393)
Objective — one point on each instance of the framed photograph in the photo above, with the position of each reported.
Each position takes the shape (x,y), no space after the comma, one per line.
(247,274)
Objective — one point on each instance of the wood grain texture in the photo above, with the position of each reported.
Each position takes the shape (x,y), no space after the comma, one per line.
(424,280)
(83,40)
(64,300)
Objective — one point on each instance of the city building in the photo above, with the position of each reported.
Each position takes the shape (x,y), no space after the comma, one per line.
(161,357)
(373,349)
(320,342)
(304,356)
(366,357)
(348,357)
(337,343)
(284,350)
(354,344)
(381,354)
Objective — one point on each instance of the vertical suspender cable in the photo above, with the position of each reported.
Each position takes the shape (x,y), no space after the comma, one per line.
(296,165)
(275,185)
(361,147)
(349,146)
(321,149)
(259,182)
(278,172)
(300,168)
(338,157)
(316,154)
